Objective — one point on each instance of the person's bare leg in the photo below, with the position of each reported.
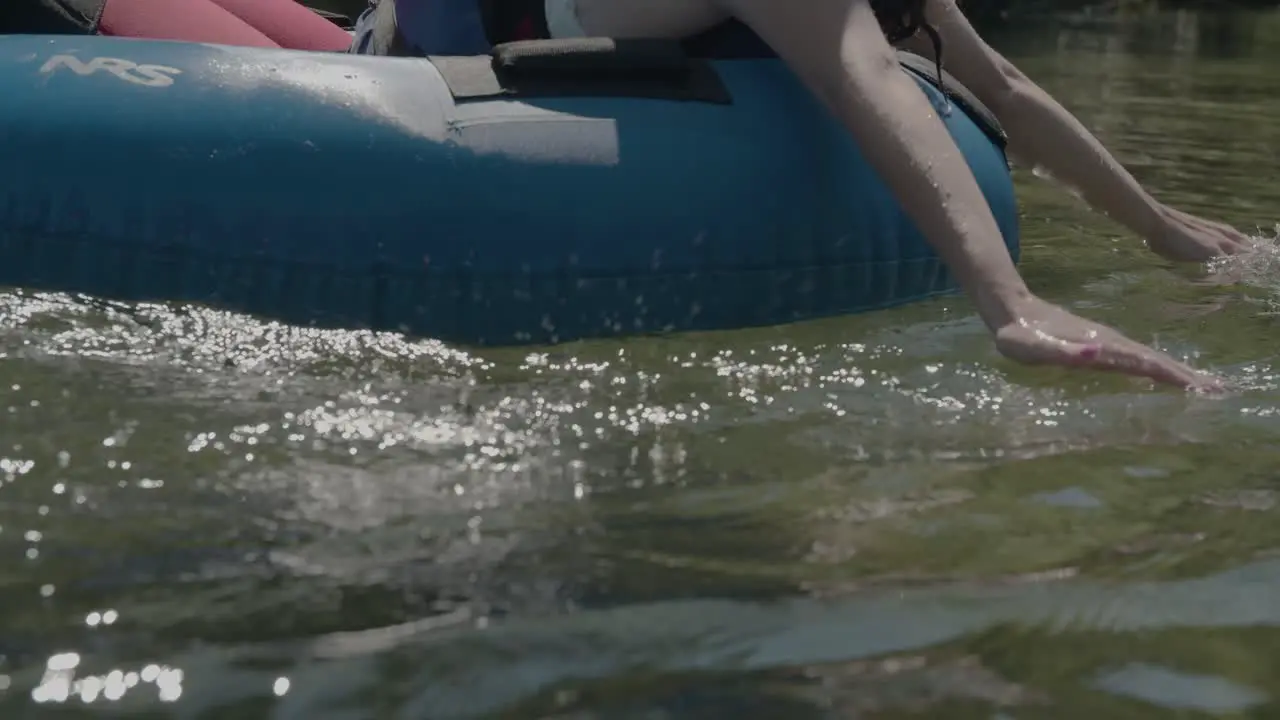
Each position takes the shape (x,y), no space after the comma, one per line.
(1043,132)
(838,50)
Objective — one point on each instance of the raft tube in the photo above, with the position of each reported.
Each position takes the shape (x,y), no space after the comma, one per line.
(552,192)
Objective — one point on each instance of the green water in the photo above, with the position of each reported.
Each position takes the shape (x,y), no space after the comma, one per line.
(203,516)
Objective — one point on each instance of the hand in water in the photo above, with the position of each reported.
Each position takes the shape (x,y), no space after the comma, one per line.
(1044,334)
(1183,236)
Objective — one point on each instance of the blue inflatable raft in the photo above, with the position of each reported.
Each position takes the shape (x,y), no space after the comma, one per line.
(545,194)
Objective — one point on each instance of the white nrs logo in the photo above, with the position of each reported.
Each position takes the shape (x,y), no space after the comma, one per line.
(127,70)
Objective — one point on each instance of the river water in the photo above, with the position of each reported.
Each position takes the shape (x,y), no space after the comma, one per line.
(205,516)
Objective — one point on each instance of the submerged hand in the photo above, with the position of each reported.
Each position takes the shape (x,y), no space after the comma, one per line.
(1044,334)
(1185,237)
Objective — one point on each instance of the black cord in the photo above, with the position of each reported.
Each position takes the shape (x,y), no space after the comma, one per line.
(900,19)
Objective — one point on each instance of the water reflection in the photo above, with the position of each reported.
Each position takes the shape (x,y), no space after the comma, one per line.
(358,524)
(874,650)
(59,684)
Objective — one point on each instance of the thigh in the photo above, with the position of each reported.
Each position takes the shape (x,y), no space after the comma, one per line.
(645,18)
(289,24)
(189,20)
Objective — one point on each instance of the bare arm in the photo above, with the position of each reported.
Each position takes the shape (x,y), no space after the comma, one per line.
(839,51)
(1041,131)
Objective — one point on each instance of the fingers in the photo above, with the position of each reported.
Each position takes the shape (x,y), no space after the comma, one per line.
(1107,354)
(1236,240)
(1236,235)
(1141,361)
(1230,232)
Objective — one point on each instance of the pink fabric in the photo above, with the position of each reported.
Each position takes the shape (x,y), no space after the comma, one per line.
(289,24)
(250,23)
